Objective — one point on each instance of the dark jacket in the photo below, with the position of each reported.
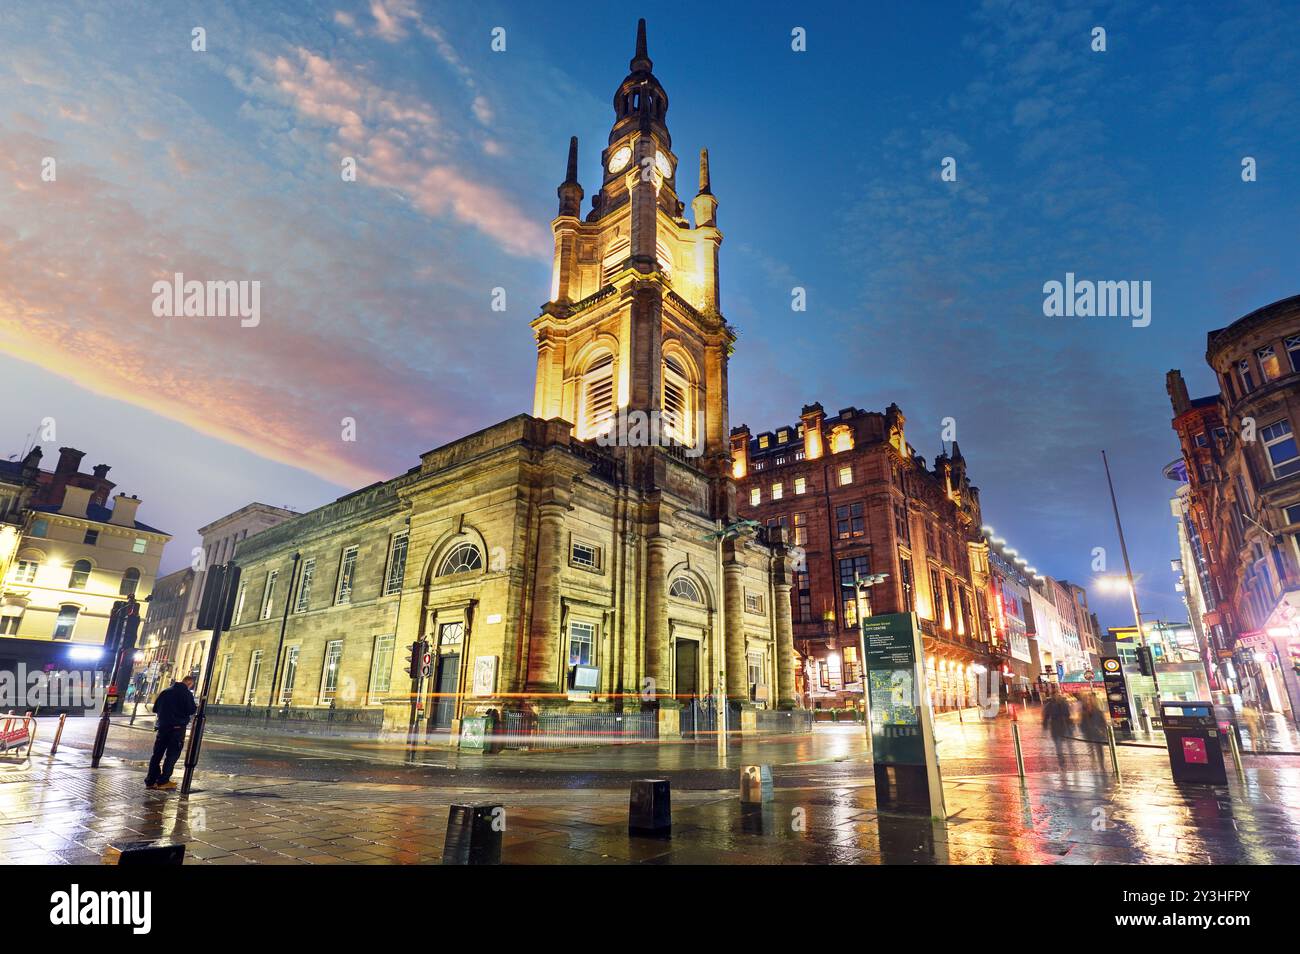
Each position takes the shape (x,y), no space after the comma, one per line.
(174,707)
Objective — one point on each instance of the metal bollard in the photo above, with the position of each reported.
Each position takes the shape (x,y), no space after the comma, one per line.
(58,734)
(1020,755)
(755,784)
(1114,753)
(1236,754)
(473,837)
(650,809)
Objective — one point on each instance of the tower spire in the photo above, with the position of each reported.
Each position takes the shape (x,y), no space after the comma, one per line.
(570,192)
(641,61)
(705,188)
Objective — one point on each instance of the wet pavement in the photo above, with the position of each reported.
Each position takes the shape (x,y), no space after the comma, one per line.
(291,804)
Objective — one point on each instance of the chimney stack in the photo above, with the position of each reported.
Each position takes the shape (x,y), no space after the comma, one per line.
(812,417)
(740,451)
(69,460)
(124,509)
(75,500)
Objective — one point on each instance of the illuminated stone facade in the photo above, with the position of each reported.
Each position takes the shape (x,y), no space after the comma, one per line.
(570,537)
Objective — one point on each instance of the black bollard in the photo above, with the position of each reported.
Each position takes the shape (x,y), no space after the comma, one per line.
(144,853)
(473,835)
(650,812)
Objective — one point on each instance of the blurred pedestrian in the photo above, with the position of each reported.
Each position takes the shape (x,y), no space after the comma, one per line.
(1059,721)
(1092,723)
(1254,720)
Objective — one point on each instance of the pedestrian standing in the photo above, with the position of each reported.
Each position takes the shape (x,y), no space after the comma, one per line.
(173,707)
(1092,723)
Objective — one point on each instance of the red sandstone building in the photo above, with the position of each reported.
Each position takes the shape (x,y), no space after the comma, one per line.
(858,500)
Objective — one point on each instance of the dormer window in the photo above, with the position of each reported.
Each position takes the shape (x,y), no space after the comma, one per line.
(841,439)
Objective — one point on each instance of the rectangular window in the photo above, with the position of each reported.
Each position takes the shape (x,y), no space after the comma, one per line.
(1292,513)
(304,586)
(753,603)
(290,675)
(239,602)
(269,596)
(849,521)
(254,671)
(25,571)
(91,538)
(803,593)
(140,545)
(950,606)
(800,485)
(905,580)
(1244,373)
(347,567)
(800,529)
(396,563)
(851,569)
(66,623)
(778,490)
(754,671)
(1280,443)
(755,496)
(329,681)
(221,679)
(901,528)
(1269,365)
(852,668)
(582,643)
(963,621)
(936,595)
(381,668)
(846,475)
(584,555)
(1293,351)
(40,528)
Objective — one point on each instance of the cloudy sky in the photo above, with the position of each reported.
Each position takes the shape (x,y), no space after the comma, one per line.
(376,294)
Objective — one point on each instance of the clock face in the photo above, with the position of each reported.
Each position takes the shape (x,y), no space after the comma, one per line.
(619,160)
(663,165)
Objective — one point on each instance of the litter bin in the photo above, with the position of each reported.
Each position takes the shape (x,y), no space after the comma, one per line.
(476,732)
(1194,741)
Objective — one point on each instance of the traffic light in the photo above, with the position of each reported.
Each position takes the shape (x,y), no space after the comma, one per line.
(413,660)
(1145,664)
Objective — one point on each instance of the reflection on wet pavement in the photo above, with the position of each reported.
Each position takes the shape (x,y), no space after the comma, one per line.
(571,808)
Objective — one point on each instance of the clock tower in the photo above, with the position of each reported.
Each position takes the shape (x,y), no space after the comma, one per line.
(633,334)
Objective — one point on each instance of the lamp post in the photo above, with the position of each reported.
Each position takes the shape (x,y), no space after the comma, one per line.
(1128,573)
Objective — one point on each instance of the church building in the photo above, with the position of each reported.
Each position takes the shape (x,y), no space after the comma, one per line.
(584,558)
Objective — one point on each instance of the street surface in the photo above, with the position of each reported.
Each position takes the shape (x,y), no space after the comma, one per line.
(325,801)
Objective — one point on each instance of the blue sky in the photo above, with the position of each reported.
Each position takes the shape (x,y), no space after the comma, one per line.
(376,294)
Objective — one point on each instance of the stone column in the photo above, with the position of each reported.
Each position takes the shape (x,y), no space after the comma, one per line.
(544,630)
(656,608)
(783,633)
(734,607)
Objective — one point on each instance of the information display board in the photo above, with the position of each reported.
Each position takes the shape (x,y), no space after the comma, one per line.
(902,723)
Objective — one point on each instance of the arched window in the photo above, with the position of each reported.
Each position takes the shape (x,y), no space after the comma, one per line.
(462,559)
(677,402)
(596,411)
(841,439)
(685,589)
(80,575)
(130,580)
(66,622)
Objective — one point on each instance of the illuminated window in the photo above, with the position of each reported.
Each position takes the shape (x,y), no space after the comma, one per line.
(841,439)
(800,485)
(330,676)
(1269,365)
(463,559)
(782,436)
(130,580)
(763,441)
(800,529)
(25,571)
(597,408)
(582,643)
(755,496)
(66,622)
(778,490)
(851,569)
(140,545)
(846,475)
(80,575)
